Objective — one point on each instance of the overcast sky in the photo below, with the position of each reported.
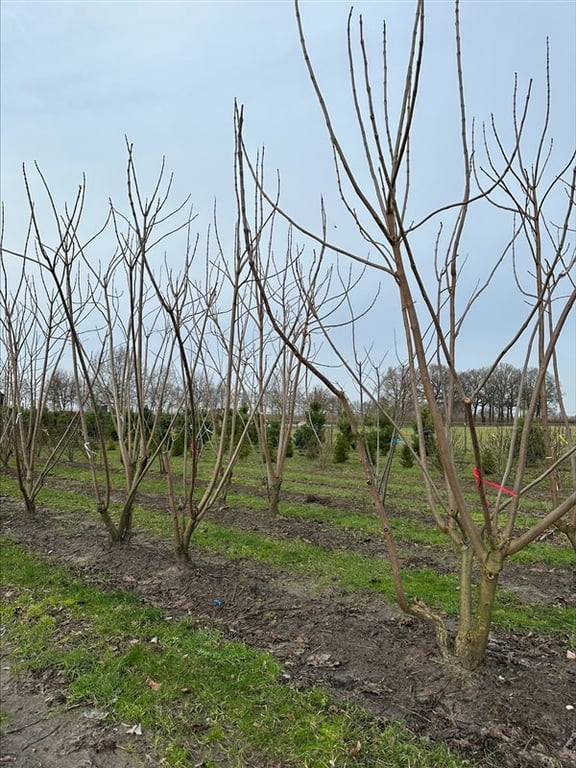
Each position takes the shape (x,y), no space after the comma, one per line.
(79,76)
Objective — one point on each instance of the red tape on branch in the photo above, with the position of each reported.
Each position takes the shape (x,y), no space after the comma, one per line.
(480,480)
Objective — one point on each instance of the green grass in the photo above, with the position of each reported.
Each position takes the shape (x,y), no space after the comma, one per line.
(4,720)
(348,570)
(343,484)
(194,693)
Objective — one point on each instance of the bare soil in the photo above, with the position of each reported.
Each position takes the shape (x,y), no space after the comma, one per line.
(41,733)
(513,712)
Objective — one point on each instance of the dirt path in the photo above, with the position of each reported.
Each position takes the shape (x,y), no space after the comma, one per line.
(357,646)
(40,734)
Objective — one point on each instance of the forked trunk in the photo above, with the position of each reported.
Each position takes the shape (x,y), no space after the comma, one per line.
(274,485)
(30,504)
(102,508)
(472,637)
(180,539)
(182,552)
(125,524)
(121,533)
(569,530)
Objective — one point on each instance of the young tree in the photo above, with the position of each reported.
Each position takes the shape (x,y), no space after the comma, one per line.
(377,198)
(33,340)
(535,194)
(108,308)
(210,320)
(6,420)
(276,374)
(310,436)
(279,369)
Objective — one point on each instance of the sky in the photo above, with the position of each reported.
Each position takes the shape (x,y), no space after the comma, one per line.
(77,77)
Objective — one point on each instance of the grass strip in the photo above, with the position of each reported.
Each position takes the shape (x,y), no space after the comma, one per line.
(404,529)
(192,690)
(354,572)
(349,570)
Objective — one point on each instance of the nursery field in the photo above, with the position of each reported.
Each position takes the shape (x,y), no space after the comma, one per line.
(280,644)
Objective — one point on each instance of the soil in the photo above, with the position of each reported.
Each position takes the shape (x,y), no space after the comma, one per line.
(42,734)
(517,711)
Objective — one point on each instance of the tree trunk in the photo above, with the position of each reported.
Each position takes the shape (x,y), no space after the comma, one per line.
(30,504)
(182,553)
(124,529)
(569,530)
(274,484)
(472,638)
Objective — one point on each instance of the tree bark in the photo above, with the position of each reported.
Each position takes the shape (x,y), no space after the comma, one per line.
(472,638)
(274,484)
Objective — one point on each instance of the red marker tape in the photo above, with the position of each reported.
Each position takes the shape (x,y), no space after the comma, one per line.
(480,480)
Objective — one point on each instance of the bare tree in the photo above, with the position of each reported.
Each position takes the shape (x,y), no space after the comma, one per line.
(209,322)
(61,392)
(118,344)
(535,194)
(6,420)
(394,391)
(473,380)
(275,366)
(34,338)
(60,263)
(433,317)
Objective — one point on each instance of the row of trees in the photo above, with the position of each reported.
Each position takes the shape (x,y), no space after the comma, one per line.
(498,392)
(155,351)
(502,391)
(147,316)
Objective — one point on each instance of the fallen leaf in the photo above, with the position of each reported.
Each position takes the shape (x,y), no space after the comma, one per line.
(95,714)
(134,730)
(355,751)
(153,684)
(571,655)
(322,660)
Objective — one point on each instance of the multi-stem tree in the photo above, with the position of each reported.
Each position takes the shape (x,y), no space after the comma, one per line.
(433,314)
(277,371)
(121,357)
(33,340)
(6,420)
(535,194)
(208,314)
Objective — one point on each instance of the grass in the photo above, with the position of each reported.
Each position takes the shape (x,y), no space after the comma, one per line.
(195,694)
(342,484)
(4,720)
(346,569)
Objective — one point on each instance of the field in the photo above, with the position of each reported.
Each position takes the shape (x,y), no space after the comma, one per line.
(280,645)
